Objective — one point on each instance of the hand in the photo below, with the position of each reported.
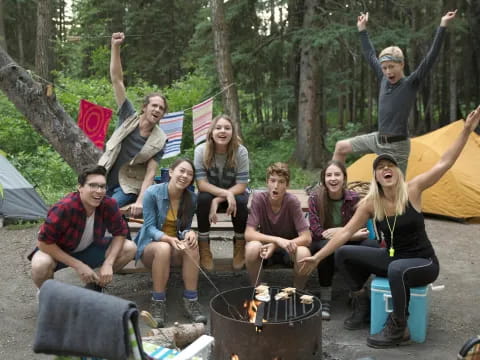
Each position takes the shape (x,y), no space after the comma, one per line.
(450,15)
(177,244)
(267,250)
(289,245)
(362,233)
(117,38)
(191,239)
(105,275)
(86,273)
(232,204)
(308,264)
(362,21)
(212,216)
(136,209)
(329,233)
(472,120)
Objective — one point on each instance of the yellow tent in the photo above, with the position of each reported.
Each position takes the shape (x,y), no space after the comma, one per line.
(457,194)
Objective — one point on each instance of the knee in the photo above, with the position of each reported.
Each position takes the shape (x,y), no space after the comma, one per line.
(129,249)
(395,270)
(204,199)
(161,249)
(343,147)
(252,250)
(43,265)
(302,252)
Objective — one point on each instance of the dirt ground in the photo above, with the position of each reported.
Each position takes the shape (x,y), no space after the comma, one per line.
(454,312)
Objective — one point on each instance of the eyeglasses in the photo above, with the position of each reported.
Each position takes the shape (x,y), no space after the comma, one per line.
(97,187)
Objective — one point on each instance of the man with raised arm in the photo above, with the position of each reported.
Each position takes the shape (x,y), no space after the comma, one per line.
(396,97)
(136,147)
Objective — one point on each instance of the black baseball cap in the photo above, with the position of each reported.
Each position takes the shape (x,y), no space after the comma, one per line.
(384,157)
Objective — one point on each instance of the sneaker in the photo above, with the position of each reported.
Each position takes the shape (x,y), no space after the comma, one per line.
(238,254)
(193,311)
(94,286)
(158,308)
(325,310)
(206,257)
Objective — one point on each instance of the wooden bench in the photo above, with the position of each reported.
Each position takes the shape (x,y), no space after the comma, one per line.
(223,224)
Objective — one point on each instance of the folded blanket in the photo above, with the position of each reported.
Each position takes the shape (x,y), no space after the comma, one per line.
(80,322)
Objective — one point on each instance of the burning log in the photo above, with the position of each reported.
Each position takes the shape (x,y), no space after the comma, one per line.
(177,336)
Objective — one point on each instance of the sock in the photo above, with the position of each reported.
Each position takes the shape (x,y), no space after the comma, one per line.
(239,236)
(159,295)
(325,293)
(203,236)
(190,294)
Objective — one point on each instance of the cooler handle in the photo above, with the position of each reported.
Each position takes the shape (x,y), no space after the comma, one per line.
(387,298)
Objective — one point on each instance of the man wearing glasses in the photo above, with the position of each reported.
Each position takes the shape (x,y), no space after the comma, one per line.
(73,235)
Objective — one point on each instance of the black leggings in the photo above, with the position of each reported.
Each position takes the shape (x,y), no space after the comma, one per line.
(204,202)
(357,263)
(326,268)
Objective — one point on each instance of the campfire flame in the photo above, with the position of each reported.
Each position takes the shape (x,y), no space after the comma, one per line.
(251,306)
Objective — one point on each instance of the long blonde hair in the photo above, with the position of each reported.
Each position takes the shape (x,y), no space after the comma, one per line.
(209,154)
(376,195)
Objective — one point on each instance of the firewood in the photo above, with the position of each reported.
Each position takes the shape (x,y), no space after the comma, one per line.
(176,336)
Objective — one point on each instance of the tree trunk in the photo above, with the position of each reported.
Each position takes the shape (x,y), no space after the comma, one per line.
(224,60)
(46,115)
(21,53)
(3,39)
(309,148)
(43,54)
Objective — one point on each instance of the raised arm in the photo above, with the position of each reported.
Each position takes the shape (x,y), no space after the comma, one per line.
(368,50)
(116,72)
(429,60)
(429,178)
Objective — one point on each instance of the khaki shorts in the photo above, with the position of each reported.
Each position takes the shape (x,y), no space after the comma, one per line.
(368,143)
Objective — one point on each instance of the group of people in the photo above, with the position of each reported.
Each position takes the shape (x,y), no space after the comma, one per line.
(85,230)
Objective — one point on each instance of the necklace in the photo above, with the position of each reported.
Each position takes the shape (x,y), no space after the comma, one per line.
(391,251)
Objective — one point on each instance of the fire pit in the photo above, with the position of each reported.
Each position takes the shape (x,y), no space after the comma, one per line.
(276,330)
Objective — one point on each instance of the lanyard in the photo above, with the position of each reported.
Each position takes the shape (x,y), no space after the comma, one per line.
(391,251)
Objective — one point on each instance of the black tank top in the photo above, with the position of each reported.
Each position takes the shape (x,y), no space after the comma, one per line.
(409,236)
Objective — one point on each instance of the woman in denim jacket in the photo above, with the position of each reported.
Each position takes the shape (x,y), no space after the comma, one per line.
(166,238)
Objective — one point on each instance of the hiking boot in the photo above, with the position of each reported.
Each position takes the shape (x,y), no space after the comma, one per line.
(158,308)
(361,312)
(193,311)
(325,310)
(238,254)
(206,257)
(395,332)
(94,286)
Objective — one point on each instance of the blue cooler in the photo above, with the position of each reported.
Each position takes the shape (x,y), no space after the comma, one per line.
(381,305)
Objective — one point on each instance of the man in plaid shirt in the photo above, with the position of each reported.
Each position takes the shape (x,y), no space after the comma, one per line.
(74,235)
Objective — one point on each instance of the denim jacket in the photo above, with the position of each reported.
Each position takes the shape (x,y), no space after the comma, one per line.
(155,207)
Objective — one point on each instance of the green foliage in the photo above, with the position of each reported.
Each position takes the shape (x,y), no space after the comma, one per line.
(46,171)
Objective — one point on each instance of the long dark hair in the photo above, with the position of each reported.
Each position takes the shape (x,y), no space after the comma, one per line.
(324,203)
(186,202)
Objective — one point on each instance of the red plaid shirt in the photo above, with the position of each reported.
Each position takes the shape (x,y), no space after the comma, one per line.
(66,220)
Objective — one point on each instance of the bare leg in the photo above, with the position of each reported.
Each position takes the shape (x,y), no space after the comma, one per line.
(191,260)
(342,149)
(126,255)
(43,266)
(300,280)
(253,260)
(156,257)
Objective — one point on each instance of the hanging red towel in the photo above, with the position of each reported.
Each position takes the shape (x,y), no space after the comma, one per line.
(93,120)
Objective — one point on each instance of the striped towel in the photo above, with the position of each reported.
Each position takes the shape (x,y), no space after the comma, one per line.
(172,125)
(159,352)
(202,118)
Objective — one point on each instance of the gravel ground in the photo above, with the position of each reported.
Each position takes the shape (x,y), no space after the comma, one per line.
(454,312)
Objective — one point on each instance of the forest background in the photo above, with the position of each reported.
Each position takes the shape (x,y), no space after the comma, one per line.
(300,81)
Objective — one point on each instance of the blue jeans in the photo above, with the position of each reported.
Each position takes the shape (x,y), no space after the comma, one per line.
(122,198)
